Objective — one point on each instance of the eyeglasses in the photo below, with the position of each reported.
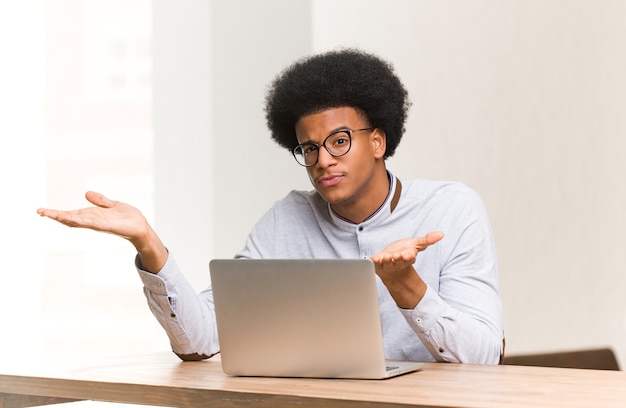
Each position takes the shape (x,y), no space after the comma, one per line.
(336,144)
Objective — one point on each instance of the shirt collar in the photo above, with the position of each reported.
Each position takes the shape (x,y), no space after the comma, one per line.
(393,196)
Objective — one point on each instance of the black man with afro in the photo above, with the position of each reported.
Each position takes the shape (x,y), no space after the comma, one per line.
(341,114)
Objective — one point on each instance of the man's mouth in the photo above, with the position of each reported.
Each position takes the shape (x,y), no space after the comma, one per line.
(329,181)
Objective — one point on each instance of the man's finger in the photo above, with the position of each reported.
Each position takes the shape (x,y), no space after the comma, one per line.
(428,239)
(98,199)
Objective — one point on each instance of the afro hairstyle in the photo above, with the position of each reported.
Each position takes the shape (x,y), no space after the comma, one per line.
(346,77)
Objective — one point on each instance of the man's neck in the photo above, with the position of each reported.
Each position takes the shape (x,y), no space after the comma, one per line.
(368,203)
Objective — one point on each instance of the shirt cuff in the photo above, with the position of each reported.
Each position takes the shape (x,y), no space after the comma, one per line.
(158,282)
(427,311)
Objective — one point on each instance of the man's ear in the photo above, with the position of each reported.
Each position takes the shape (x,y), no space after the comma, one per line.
(379,141)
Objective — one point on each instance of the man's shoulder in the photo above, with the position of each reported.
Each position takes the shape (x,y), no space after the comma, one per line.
(441,197)
(428,188)
(299,198)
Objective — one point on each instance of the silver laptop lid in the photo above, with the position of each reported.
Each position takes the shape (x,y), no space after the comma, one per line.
(298,318)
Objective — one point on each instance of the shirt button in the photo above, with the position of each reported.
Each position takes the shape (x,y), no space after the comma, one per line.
(360,228)
(440,350)
(418,320)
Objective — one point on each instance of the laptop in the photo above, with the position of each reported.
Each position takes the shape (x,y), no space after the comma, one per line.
(300,318)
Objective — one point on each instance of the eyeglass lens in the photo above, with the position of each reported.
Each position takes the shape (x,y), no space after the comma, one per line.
(337,144)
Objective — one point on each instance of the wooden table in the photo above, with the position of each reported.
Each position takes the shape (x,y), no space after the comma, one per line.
(163,380)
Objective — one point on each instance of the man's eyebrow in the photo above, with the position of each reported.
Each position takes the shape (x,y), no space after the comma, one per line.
(339,129)
(335,130)
(308,141)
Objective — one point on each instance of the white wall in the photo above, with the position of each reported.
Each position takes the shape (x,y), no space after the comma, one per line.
(183,115)
(522,100)
(217,171)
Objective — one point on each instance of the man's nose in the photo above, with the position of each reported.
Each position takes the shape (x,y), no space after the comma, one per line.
(324,159)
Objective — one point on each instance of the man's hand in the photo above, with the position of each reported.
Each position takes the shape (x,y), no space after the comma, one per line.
(394,266)
(117,218)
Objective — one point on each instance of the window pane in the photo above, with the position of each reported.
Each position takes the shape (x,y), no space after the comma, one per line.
(81,96)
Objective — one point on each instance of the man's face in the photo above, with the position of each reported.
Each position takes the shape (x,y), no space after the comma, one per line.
(346,180)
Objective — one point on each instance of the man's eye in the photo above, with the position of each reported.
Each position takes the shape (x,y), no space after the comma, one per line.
(307,149)
(340,140)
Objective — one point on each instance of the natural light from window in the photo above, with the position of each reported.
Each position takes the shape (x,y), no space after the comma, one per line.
(77,110)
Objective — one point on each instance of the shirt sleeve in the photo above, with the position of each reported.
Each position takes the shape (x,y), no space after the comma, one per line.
(437,325)
(461,320)
(187,317)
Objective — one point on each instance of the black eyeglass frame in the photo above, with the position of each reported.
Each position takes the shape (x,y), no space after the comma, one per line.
(298,150)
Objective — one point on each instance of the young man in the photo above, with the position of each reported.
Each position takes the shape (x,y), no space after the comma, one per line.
(341,114)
